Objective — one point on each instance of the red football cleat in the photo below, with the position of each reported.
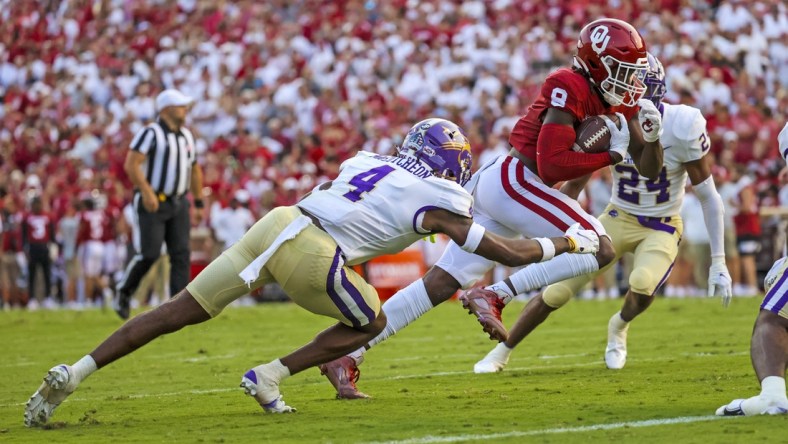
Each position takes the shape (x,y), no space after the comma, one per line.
(343,374)
(487,306)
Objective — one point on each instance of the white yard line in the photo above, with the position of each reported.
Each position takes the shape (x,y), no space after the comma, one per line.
(552,431)
(397,377)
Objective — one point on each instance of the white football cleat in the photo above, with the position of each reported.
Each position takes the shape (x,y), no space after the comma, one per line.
(616,351)
(58,384)
(265,390)
(495,361)
(757,405)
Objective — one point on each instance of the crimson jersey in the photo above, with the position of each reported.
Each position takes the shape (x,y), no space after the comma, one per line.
(568,91)
(94,226)
(37,228)
(12,233)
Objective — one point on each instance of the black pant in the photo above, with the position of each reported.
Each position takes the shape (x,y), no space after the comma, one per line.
(39,257)
(169,224)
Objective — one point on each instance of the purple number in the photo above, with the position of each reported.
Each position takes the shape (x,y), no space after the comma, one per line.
(704,142)
(661,184)
(630,196)
(366,181)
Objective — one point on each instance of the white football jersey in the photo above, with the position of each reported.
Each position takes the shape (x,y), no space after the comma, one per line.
(376,204)
(684,139)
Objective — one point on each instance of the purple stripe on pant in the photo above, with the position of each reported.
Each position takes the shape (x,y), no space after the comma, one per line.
(359,301)
(664,278)
(773,294)
(357,297)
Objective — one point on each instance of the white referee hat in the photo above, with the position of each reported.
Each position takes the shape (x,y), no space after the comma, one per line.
(172,97)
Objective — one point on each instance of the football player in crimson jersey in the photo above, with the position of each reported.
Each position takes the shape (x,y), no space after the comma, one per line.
(93,227)
(643,218)
(38,233)
(513,195)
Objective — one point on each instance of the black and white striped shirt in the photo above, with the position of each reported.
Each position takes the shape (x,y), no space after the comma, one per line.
(169,157)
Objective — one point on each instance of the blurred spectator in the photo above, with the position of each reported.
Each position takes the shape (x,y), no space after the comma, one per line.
(748,230)
(695,243)
(67,235)
(287,90)
(231,223)
(11,249)
(38,235)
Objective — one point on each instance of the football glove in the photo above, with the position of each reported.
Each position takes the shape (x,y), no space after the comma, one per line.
(650,120)
(720,281)
(582,241)
(619,137)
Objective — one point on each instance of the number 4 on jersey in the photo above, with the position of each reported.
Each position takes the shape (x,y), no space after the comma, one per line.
(366,182)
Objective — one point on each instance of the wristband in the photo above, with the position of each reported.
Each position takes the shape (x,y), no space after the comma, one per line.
(475,235)
(572,244)
(548,248)
(198,203)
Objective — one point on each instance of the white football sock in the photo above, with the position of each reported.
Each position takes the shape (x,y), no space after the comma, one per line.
(773,387)
(617,323)
(84,368)
(404,307)
(565,266)
(358,355)
(275,370)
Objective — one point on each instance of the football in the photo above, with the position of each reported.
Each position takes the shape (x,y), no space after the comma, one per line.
(593,136)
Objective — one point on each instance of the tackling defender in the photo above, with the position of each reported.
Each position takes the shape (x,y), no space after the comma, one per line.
(512,194)
(377,205)
(769,344)
(642,218)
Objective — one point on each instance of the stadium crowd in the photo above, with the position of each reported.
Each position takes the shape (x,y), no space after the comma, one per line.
(285,90)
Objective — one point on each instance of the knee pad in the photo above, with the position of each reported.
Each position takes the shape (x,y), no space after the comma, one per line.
(642,281)
(557,295)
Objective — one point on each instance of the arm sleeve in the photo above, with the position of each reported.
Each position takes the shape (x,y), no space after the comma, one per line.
(713,211)
(555,159)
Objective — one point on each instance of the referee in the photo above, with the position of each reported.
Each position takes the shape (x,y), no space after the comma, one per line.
(161,164)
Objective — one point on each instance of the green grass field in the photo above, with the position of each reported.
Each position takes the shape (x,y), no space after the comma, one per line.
(686,358)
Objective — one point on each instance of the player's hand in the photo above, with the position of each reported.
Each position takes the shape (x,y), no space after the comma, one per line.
(619,137)
(150,201)
(720,281)
(582,241)
(650,120)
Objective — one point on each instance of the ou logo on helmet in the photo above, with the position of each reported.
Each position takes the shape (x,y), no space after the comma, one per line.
(599,38)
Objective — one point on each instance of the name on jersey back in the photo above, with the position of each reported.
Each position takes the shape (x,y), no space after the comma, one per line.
(408,164)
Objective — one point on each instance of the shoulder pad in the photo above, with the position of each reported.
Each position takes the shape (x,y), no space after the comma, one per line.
(688,123)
